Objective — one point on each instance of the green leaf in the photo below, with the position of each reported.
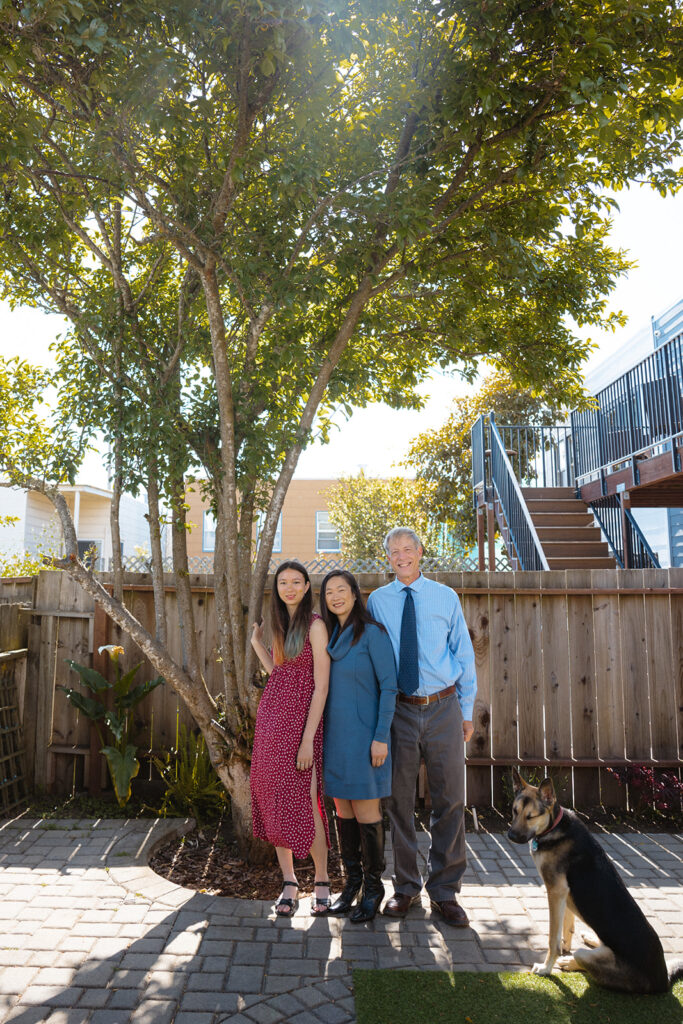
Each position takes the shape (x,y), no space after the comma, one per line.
(92,679)
(122,686)
(92,709)
(133,698)
(123,767)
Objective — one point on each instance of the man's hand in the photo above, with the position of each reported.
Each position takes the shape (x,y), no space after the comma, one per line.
(467,730)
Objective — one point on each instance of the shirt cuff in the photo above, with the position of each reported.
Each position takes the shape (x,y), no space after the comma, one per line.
(467,711)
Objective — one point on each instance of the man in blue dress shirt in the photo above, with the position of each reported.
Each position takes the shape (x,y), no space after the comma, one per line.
(437,687)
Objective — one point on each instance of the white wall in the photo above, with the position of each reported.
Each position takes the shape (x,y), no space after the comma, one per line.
(42,530)
(134,526)
(12,503)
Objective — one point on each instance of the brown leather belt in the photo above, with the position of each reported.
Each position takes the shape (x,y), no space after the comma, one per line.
(406,698)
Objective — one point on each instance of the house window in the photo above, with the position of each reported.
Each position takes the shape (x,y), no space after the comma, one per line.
(209,532)
(326,535)
(277,543)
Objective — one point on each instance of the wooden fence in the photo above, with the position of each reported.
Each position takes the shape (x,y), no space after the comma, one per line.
(13,665)
(576,670)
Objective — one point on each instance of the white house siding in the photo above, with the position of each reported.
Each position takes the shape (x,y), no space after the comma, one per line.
(93,520)
(12,503)
(42,531)
(134,526)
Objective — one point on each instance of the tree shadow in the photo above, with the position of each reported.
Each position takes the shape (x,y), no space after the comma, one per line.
(142,949)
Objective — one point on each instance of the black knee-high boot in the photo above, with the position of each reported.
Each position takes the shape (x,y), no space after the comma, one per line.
(372,847)
(349,848)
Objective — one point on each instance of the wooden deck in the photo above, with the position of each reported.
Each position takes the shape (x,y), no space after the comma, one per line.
(651,480)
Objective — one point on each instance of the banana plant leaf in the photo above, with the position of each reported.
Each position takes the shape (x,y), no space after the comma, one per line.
(92,679)
(139,692)
(117,724)
(92,709)
(122,687)
(123,767)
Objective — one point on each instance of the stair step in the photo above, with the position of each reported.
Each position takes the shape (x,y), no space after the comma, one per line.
(568,519)
(581,563)
(560,549)
(556,505)
(567,533)
(546,493)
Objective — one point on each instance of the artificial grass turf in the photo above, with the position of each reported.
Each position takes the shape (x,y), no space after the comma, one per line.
(468,997)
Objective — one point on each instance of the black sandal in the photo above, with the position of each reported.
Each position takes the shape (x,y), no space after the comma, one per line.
(289,906)
(324,901)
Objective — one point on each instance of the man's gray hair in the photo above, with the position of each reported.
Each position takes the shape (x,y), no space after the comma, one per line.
(402,531)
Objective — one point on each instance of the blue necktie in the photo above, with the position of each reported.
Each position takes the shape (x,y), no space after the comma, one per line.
(408,678)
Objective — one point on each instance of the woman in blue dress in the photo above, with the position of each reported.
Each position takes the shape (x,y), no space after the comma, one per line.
(356,759)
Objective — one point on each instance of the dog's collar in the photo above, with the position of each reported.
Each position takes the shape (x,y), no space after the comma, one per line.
(534,842)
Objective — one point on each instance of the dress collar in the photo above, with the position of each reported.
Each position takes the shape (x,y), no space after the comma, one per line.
(340,643)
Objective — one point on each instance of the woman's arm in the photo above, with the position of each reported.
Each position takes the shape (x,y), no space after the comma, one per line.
(262,651)
(321,677)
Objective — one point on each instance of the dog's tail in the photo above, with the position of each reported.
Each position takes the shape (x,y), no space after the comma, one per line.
(675,970)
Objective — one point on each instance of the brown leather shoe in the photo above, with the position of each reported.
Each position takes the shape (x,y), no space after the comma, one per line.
(399,904)
(452,912)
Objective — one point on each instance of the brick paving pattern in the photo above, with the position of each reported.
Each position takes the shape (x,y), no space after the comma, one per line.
(90,935)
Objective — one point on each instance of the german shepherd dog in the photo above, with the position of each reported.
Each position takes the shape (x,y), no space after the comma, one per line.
(581,881)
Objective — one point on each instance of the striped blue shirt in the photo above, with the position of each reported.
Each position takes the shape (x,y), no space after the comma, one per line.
(444,649)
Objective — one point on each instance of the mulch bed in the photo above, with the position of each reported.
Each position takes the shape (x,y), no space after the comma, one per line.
(207,859)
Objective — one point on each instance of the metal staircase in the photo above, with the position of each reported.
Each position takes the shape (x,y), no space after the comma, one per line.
(566,529)
(523,478)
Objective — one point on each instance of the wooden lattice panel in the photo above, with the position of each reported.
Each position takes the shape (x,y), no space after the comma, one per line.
(12,770)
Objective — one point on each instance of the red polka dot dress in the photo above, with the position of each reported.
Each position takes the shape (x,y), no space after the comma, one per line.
(280,794)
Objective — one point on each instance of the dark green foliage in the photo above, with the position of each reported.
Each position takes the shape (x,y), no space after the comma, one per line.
(121,755)
(192,786)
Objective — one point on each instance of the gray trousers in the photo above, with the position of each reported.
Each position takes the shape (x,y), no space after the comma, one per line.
(433,732)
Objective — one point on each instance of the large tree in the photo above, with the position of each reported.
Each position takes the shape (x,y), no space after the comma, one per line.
(288,207)
(441,458)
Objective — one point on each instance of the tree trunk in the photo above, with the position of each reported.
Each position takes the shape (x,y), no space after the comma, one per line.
(255,851)
(114,517)
(157,557)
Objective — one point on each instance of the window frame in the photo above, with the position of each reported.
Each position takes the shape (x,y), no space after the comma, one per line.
(209,551)
(326,550)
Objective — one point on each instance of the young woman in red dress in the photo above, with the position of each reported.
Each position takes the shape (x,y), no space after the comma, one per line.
(287,760)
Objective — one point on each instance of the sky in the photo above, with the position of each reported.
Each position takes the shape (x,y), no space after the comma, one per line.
(375,439)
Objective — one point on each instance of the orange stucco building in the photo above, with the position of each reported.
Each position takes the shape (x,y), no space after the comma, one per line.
(304,531)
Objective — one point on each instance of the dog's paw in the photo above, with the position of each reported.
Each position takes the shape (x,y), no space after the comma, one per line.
(590,940)
(541,969)
(567,963)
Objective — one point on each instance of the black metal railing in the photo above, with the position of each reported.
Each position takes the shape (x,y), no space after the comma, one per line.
(640,410)
(522,533)
(478,434)
(629,548)
(540,456)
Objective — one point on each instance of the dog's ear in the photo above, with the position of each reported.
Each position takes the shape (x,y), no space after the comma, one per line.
(518,782)
(546,792)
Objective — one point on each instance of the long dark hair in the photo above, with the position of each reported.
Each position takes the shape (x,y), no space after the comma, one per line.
(359,616)
(289,634)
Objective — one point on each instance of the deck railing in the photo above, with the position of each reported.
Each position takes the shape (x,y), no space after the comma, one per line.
(629,547)
(523,536)
(640,410)
(540,456)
